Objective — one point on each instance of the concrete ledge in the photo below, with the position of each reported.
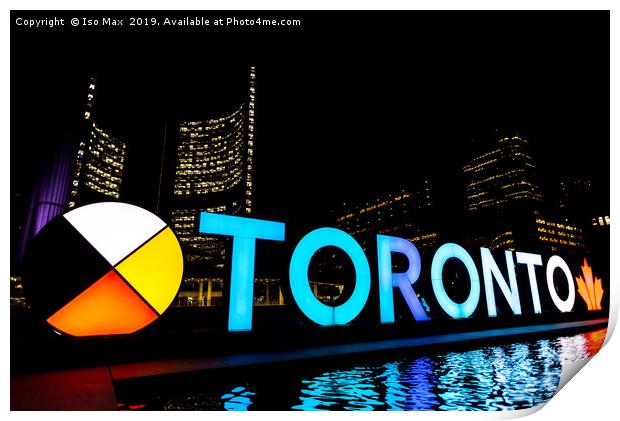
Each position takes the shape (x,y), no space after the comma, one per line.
(167,367)
(88,389)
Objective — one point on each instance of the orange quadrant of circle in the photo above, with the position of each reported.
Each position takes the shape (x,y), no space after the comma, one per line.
(155,270)
(107,307)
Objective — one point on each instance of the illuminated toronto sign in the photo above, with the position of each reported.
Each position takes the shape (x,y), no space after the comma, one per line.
(116,268)
(245,232)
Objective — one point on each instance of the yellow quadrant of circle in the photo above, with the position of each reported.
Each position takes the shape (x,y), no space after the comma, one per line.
(155,270)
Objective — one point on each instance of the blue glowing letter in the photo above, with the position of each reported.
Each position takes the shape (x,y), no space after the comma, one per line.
(455,310)
(245,232)
(490,270)
(300,286)
(404,281)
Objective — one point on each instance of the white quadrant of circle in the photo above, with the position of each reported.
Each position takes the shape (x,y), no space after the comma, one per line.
(114,229)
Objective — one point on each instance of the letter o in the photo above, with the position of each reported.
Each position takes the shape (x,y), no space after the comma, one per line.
(554,263)
(300,287)
(456,310)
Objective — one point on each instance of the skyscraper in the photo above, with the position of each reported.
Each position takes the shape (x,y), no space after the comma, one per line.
(504,202)
(502,195)
(99,162)
(501,177)
(98,170)
(214,173)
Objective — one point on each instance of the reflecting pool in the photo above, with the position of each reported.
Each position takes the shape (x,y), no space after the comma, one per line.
(496,377)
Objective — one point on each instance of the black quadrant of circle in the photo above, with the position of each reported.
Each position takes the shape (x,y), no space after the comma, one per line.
(60,265)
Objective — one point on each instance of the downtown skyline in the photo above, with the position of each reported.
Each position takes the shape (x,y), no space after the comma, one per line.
(341,120)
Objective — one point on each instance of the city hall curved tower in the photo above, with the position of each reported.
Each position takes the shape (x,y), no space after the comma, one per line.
(214,173)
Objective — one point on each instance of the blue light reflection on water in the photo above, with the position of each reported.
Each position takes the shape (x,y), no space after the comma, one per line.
(238,399)
(410,386)
(515,376)
(346,389)
(519,375)
(492,378)
(499,377)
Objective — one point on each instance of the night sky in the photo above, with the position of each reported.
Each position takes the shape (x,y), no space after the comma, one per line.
(348,104)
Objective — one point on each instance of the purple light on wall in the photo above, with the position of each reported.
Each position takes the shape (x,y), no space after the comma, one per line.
(50,193)
(53,194)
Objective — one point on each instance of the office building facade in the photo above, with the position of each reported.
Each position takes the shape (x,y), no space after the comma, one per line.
(405,213)
(98,168)
(502,194)
(558,235)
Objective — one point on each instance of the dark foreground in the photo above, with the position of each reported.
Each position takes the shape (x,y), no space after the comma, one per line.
(487,372)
